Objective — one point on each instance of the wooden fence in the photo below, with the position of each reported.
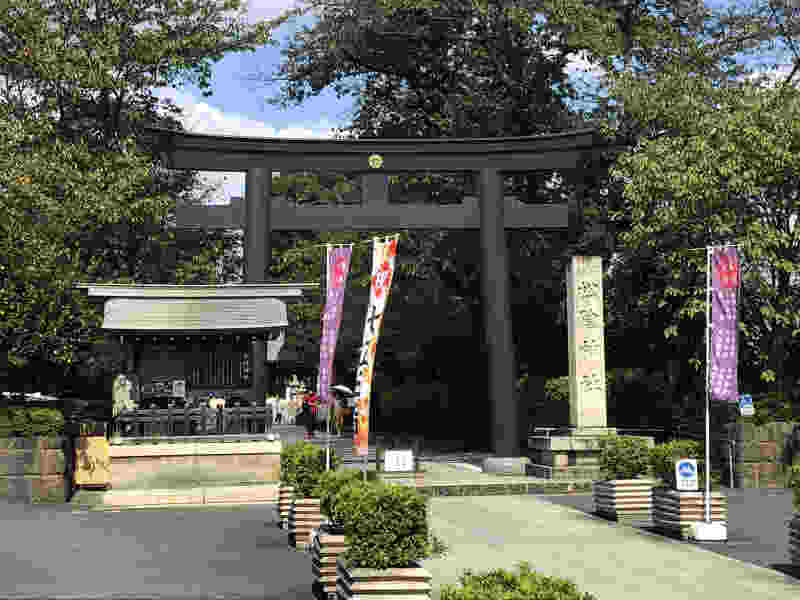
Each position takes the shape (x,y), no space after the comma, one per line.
(192,421)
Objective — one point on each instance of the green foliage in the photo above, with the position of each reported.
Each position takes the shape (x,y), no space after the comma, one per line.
(308,465)
(767,408)
(288,463)
(664,456)
(329,485)
(30,422)
(794,485)
(82,196)
(724,158)
(624,456)
(557,390)
(384,525)
(500,584)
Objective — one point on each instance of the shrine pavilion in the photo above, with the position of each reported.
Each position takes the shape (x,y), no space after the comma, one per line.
(198,341)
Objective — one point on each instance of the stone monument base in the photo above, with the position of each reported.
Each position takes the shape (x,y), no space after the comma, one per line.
(568,454)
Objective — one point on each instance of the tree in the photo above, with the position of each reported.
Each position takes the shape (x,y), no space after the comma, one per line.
(50,188)
(727,175)
(78,78)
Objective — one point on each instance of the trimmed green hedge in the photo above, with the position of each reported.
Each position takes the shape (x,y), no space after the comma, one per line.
(624,456)
(302,465)
(385,525)
(24,422)
(500,584)
(329,485)
(288,469)
(663,457)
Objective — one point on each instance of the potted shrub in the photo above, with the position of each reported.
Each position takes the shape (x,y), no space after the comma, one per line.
(386,532)
(304,513)
(624,494)
(286,485)
(499,583)
(675,510)
(794,522)
(330,542)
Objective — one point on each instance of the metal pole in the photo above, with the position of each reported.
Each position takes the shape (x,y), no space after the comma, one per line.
(709,249)
(730,459)
(328,445)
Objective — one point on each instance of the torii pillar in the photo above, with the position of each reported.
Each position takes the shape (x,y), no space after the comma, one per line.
(257,256)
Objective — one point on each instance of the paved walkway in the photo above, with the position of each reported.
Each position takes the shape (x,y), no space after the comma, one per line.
(54,552)
(757,529)
(611,561)
(50,552)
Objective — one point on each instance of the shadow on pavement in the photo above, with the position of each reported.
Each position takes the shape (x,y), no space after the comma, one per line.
(757,526)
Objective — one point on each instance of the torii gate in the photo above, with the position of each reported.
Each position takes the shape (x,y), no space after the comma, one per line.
(566,152)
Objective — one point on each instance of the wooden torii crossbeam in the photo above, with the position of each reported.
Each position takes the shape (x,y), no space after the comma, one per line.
(569,153)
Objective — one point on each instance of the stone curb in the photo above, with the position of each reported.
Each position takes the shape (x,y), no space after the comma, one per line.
(233,495)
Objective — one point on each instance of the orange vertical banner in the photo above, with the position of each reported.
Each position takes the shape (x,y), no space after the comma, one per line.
(383,261)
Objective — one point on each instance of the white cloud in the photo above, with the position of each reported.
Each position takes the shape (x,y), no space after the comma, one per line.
(577,62)
(775,76)
(262,10)
(200,117)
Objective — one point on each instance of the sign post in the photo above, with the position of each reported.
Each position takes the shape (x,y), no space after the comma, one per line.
(746,405)
(686,474)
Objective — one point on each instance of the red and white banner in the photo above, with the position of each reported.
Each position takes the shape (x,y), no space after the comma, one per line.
(383,260)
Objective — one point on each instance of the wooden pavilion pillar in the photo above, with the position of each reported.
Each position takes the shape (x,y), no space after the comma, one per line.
(497,316)
(257,255)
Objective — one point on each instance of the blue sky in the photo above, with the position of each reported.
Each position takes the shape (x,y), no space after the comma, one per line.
(238,107)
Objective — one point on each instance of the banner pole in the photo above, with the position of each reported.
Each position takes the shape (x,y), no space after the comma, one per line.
(709,250)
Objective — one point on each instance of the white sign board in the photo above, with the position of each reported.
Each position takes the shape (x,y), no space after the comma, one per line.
(686,474)
(179,388)
(746,405)
(398,460)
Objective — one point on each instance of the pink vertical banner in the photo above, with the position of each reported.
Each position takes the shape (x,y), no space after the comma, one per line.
(338,266)
(383,260)
(725,281)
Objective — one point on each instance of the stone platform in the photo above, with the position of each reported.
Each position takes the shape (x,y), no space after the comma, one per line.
(193,461)
(568,453)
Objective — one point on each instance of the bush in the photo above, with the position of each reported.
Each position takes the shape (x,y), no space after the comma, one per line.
(329,485)
(499,583)
(30,422)
(769,409)
(309,465)
(794,485)
(385,526)
(288,468)
(624,456)
(663,457)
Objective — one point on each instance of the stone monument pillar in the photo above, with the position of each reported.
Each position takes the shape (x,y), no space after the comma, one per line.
(585,327)
(573,452)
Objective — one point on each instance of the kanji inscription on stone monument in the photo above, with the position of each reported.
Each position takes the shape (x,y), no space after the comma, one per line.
(587,382)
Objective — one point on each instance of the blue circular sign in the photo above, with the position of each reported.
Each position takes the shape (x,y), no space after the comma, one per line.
(686,469)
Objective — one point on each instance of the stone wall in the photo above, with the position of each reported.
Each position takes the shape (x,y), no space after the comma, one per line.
(762,455)
(193,462)
(36,470)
